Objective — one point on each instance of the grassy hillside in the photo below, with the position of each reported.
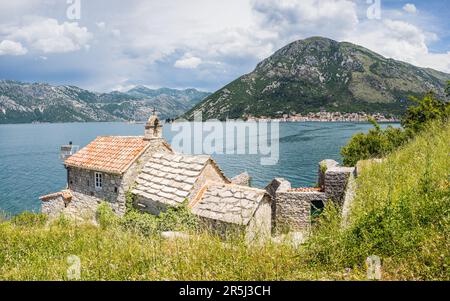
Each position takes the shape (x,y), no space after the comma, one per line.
(401,213)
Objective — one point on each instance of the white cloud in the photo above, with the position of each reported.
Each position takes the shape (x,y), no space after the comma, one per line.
(101,25)
(189,62)
(214,41)
(8,47)
(410,8)
(402,41)
(291,19)
(116,32)
(48,36)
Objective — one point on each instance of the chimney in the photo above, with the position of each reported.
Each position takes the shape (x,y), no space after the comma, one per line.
(153,128)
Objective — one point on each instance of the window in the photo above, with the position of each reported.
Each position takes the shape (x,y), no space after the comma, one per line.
(98,180)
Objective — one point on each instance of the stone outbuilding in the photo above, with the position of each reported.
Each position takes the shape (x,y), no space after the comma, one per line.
(293,209)
(169,179)
(105,170)
(226,208)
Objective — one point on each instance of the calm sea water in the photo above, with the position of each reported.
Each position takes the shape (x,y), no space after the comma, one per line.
(30,165)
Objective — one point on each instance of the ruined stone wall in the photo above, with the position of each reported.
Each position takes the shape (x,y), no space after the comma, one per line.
(243,179)
(260,226)
(53,207)
(280,185)
(293,210)
(336,180)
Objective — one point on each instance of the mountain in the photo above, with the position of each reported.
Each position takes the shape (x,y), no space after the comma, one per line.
(38,102)
(318,73)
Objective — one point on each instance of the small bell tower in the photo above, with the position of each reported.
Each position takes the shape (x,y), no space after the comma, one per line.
(153,127)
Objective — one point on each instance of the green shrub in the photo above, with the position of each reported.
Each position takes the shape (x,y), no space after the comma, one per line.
(105,216)
(143,223)
(376,143)
(28,219)
(178,219)
(427,109)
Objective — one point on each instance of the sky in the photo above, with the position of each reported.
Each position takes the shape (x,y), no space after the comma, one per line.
(106,45)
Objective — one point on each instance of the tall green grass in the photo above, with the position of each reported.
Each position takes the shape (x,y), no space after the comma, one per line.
(401,214)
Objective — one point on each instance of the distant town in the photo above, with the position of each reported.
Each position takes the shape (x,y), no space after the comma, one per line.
(324,116)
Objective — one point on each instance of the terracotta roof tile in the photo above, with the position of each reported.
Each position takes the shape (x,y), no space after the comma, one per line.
(113,154)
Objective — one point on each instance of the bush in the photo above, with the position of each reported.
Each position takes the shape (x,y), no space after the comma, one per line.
(27,219)
(143,223)
(428,108)
(375,144)
(105,216)
(178,219)
(174,219)
(379,143)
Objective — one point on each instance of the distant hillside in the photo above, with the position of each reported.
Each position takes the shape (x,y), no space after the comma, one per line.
(38,102)
(319,73)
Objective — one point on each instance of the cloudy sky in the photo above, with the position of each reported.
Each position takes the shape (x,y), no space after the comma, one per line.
(114,45)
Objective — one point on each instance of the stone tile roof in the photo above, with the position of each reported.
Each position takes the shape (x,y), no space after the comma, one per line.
(228,203)
(169,178)
(112,154)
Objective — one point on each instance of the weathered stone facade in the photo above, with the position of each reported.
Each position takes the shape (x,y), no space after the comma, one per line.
(114,186)
(335,180)
(53,206)
(291,210)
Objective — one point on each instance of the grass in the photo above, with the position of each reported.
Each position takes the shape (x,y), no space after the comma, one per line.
(401,214)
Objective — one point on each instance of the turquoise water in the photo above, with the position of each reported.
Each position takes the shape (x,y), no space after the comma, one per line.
(30,165)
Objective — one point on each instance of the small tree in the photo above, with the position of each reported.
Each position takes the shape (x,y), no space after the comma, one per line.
(375,144)
(428,108)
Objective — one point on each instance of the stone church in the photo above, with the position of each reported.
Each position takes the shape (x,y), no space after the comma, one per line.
(110,167)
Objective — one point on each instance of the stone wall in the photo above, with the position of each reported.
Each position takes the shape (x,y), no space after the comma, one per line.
(82,181)
(260,226)
(293,210)
(280,185)
(53,206)
(336,180)
(243,179)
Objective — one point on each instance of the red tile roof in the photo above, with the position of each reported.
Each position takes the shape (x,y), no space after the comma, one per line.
(110,154)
